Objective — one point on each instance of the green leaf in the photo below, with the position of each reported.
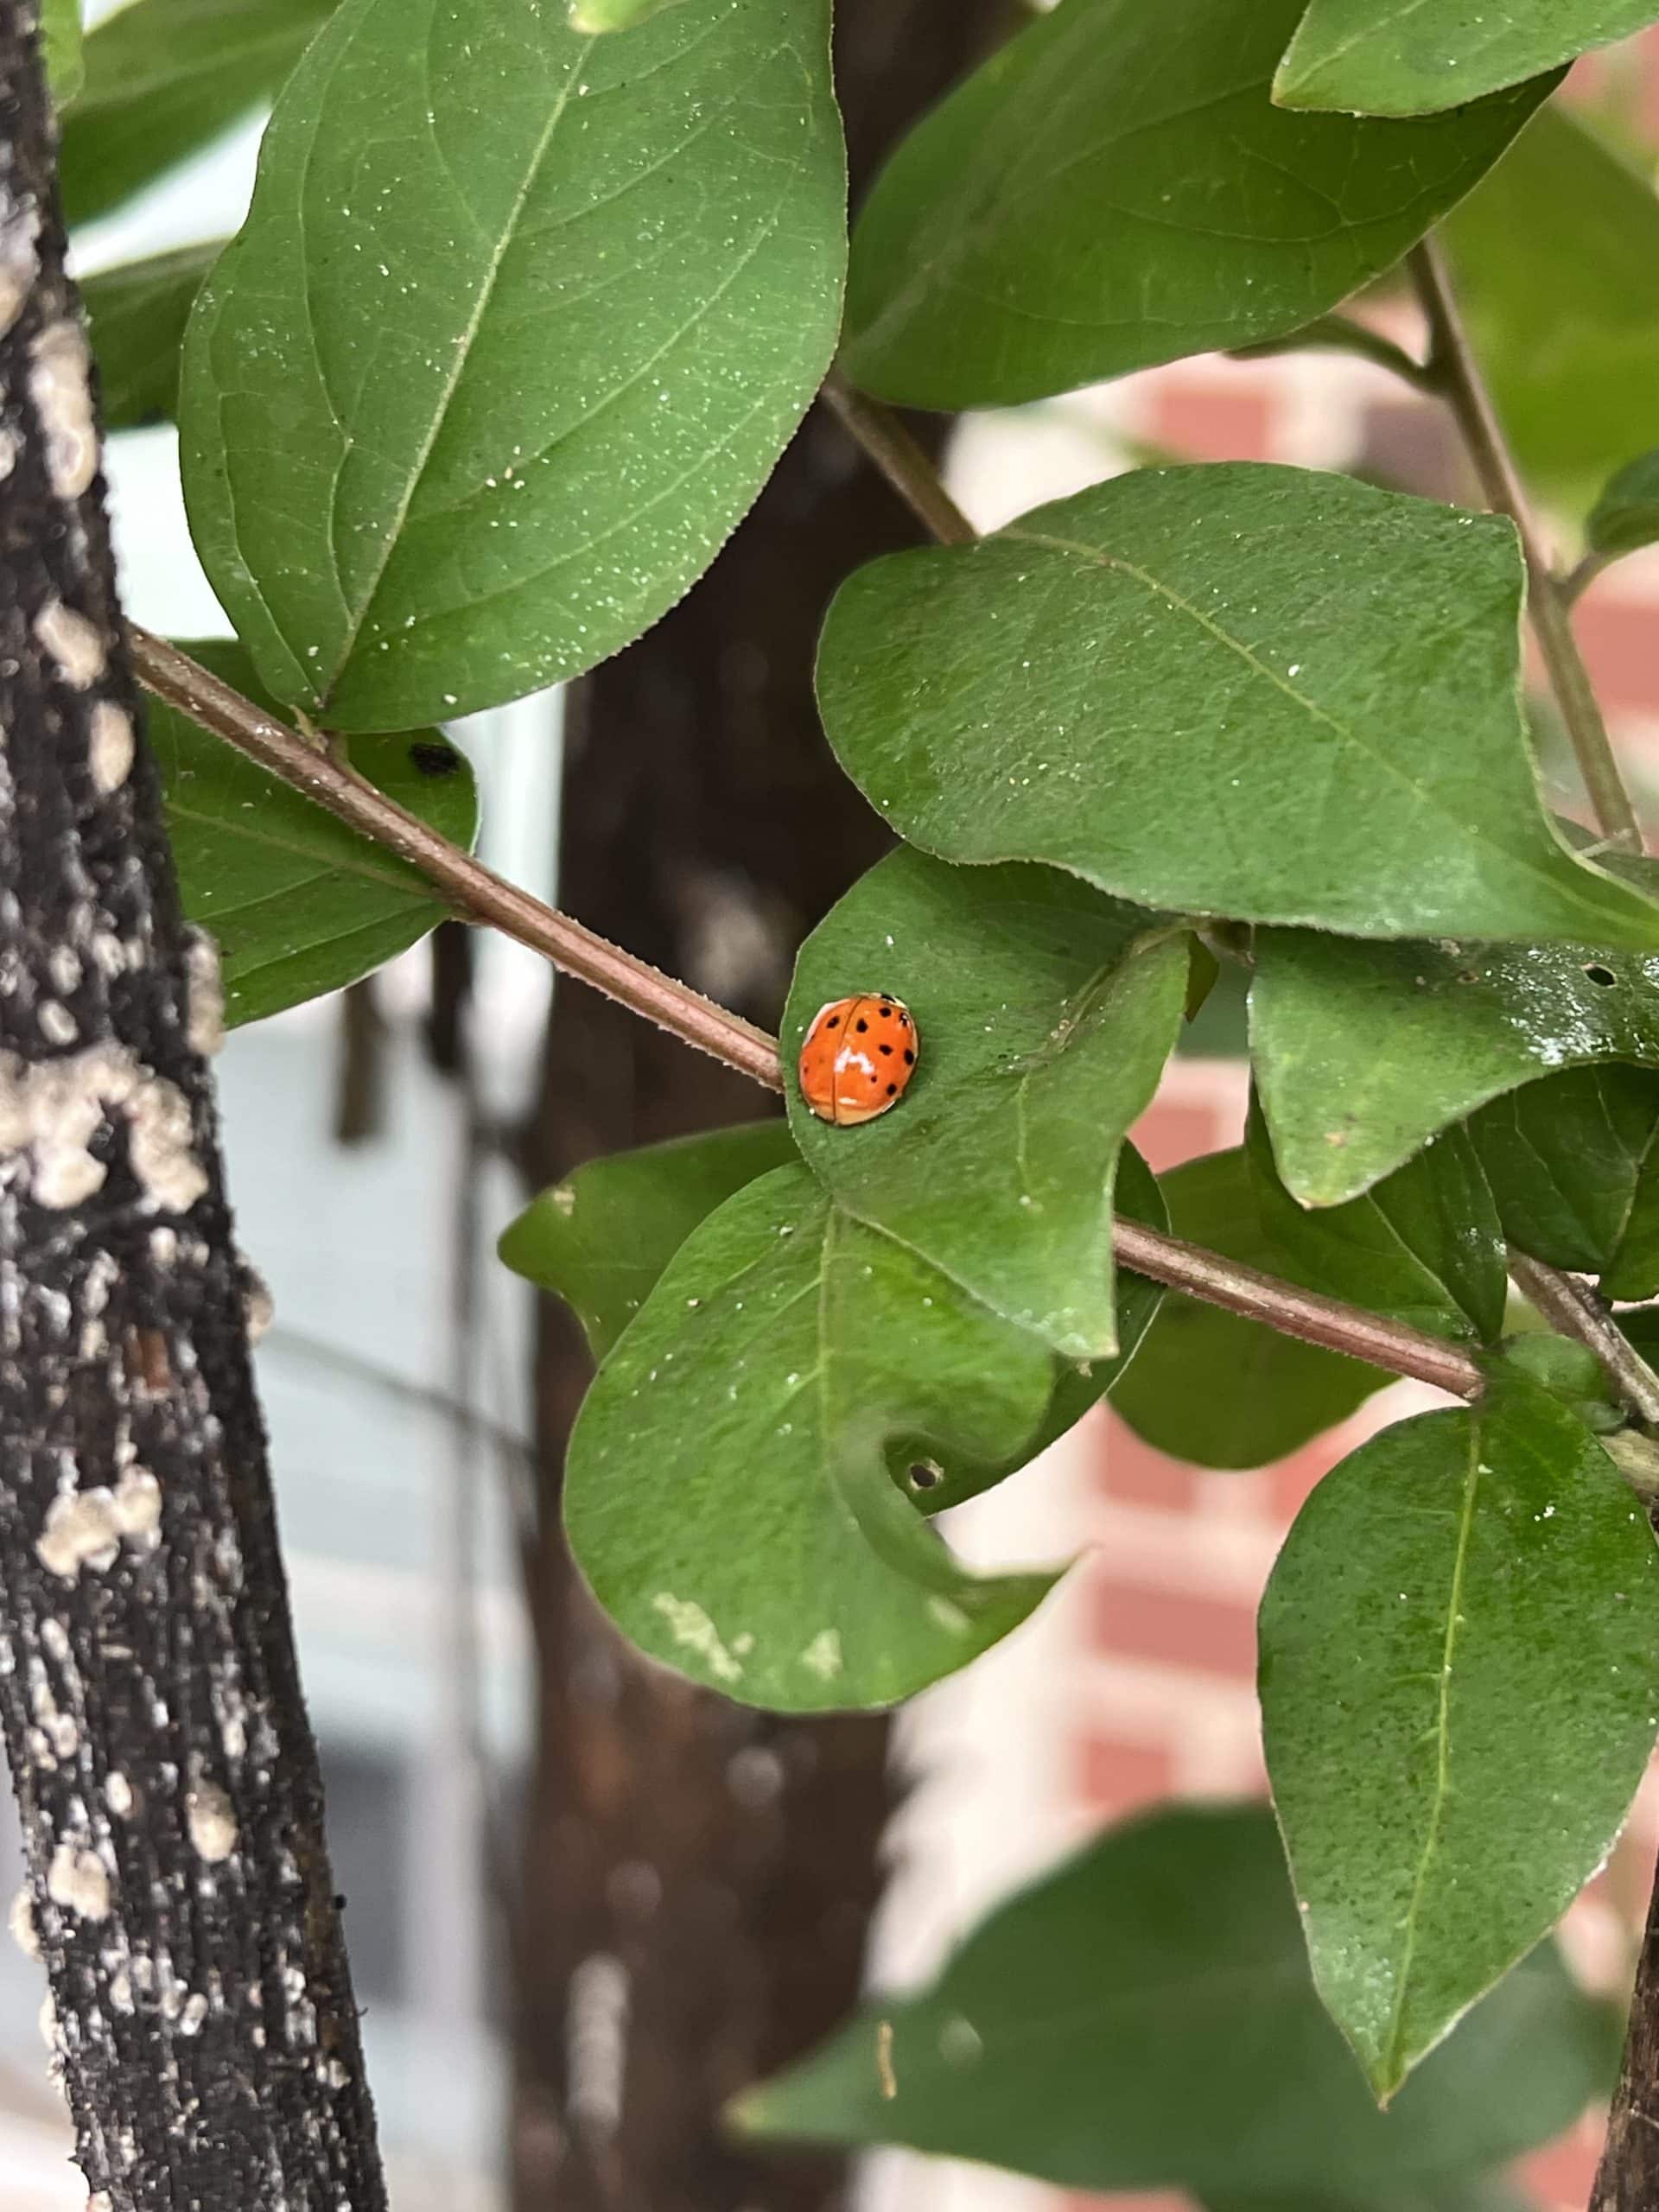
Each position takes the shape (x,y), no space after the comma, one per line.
(1044,1013)
(516,327)
(729,1493)
(1417,57)
(1208,1387)
(1143,2019)
(164,78)
(1460,1681)
(1574,1166)
(591,16)
(1562,219)
(137,313)
(1626,516)
(1424,1246)
(1114,188)
(298,903)
(601,1239)
(1363,1051)
(65,66)
(1285,651)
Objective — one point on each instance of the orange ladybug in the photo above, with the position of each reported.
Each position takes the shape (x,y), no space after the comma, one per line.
(857,1057)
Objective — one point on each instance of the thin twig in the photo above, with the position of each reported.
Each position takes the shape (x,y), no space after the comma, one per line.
(901,460)
(1457,374)
(1573,1310)
(1303,1313)
(475,892)
(480,894)
(1341,333)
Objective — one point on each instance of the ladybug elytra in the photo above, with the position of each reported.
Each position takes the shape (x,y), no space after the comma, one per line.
(858,1055)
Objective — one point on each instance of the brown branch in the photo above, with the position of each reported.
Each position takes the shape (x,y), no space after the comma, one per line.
(473,890)
(901,460)
(1454,371)
(1572,1310)
(477,892)
(1303,1313)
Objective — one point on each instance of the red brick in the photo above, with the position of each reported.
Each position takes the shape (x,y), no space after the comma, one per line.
(1211,1636)
(1169,2200)
(1561,2174)
(1214,421)
(1114,1779)
(1171,1131)
(1620,638)
(1295,1477)
(1135,1472)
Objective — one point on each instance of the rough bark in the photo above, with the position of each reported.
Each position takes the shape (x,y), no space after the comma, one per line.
(1627,2179)
(202,2019)
(700,1877)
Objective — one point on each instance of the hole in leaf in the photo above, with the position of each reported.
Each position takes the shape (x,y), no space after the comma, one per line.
(1600,973)
(926,1475)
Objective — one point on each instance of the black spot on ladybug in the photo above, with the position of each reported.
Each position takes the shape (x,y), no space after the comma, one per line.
(884,1048)
(892,1090)
(864,1026)
(904,1022)
(910,1057)
(834,1022)
(431,759)
(885,1011)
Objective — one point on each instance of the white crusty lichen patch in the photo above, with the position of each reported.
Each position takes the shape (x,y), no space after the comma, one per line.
(86,1527)
(204,994)
(20,262)
(693,1630)
(76,648)
(211,1819)
(79,1882)
(59,384)
(52,1110)
(111,747)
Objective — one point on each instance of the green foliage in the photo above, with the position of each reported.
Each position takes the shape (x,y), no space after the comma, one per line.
(1363,1051)
(1261,1394)
(1458,1675)
(1143,2019)
(1115,187)
(786,1353)
(601,1239)
(1572,1162)
(164,79)
(1415,57)
(1561,220)
(1626,516)
(1424,1246)
(297,903)
(517,327)
(592,17)
(1265,749)
(137,313)
(1045,1014)
(65,66)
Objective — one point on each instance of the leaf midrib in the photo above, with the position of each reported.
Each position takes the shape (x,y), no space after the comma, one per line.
(1396,2054)
(1425,797)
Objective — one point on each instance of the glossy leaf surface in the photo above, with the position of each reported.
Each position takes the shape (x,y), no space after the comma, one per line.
(1424,1246)
(297,903)
(1363,1051)
(1069,2034)
(1222,690)
(1573,1162)
(1045,1014)
(1460,1679)
(516,327)
(784,1355)
(1417,57)
(1626,516)
(137,313)
(1115,187)
(165,78)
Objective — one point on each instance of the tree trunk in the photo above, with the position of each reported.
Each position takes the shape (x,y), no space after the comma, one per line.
(699,1877)
(202,2019)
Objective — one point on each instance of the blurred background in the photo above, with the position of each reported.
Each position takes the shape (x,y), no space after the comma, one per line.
(377,1144)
